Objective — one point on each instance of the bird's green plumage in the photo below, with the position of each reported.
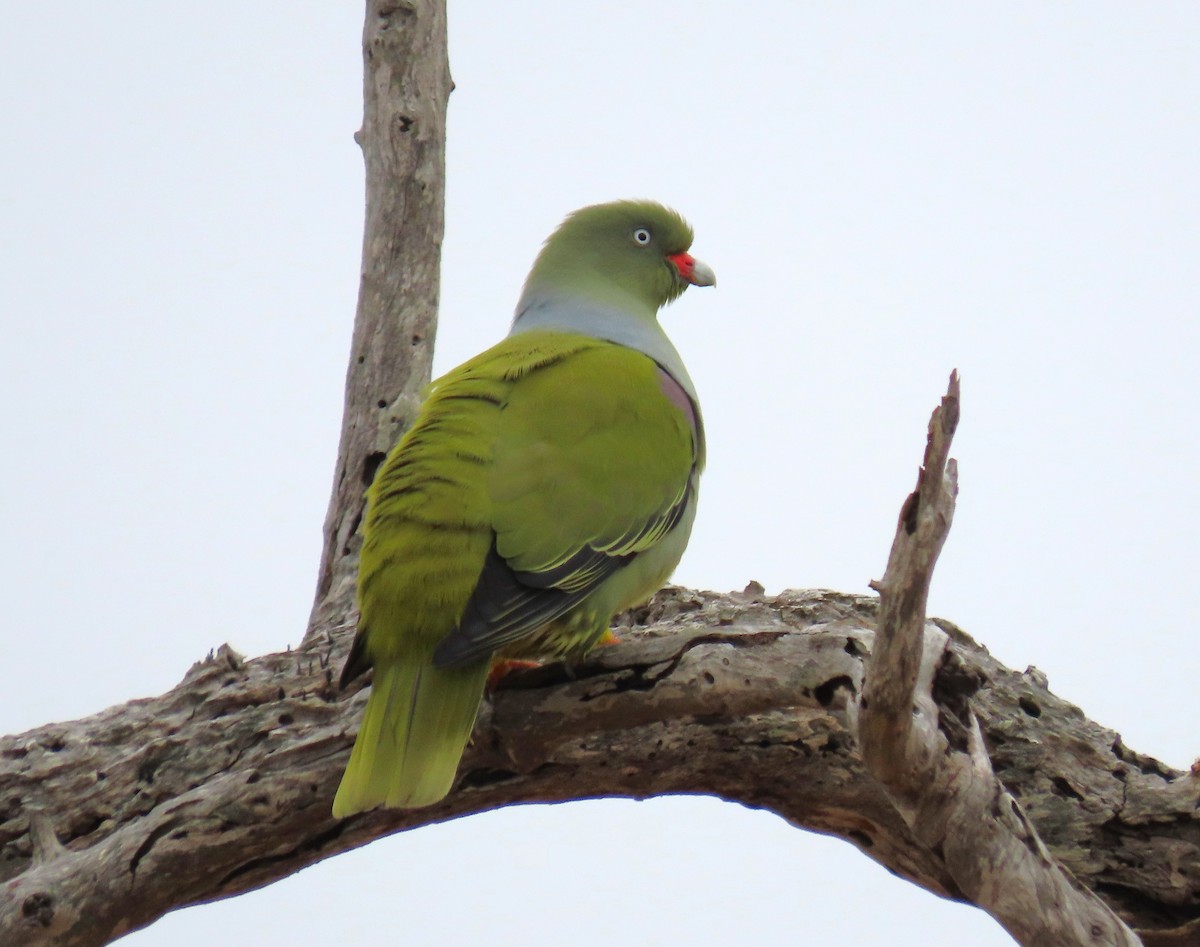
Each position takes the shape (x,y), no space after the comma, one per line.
(591,255)
(547,483)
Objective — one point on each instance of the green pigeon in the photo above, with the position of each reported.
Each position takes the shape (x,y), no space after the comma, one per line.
(547,484)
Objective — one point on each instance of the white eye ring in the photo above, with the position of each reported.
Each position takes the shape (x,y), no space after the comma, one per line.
(641,236)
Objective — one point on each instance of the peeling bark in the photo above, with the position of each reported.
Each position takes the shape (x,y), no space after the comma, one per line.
(406,86)
(921,739)
(224,784)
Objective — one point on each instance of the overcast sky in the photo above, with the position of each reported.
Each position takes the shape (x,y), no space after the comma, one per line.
(886,191)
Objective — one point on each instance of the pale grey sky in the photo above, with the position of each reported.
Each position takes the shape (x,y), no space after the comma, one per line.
(886,192)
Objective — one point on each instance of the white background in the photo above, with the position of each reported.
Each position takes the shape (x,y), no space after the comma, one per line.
(886,191)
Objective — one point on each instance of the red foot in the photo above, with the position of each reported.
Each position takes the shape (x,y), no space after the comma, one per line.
(607,638)
(503,666)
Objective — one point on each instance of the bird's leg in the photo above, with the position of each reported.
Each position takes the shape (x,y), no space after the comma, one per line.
(607,638)
(503,666)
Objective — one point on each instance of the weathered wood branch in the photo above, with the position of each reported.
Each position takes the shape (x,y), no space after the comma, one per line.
(921,739)
(406,86)
(224,784)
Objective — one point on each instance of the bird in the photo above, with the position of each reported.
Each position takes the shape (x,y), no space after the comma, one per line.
(546,485)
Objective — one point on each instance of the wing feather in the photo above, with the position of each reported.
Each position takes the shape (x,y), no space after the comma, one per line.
(593,463)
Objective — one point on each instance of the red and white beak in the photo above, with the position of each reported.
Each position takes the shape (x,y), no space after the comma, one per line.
(693,271)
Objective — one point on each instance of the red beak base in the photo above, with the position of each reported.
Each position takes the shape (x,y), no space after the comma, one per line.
(692,270)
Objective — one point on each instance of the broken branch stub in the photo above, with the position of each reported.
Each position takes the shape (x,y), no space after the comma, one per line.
(920,738)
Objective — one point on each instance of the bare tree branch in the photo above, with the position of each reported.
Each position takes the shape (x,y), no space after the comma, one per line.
(922,741)
(406,85)
(224,784)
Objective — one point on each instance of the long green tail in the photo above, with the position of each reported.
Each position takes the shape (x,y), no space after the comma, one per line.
(417,722)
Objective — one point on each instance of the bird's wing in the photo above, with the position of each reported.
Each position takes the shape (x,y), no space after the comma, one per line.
(592,464)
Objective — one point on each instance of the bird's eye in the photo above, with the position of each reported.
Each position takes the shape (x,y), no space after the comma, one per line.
(641,236)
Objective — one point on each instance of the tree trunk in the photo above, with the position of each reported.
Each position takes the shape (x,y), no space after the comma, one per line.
(224,784)
(406,86)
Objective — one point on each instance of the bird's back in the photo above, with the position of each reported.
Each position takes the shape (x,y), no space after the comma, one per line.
(546,483)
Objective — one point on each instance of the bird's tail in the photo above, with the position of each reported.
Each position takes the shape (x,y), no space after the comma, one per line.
(418,720)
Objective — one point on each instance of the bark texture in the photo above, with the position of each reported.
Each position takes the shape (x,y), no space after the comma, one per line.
(929,756)
(224,784)
(406,86)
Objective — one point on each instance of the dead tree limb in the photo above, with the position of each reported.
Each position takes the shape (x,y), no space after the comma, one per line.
(922,741)
(224,784)
(406,86)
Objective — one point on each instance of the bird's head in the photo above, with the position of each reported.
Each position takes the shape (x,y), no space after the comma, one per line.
(621,253)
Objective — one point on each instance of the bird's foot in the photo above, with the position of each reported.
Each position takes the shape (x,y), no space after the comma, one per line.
(504,666)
